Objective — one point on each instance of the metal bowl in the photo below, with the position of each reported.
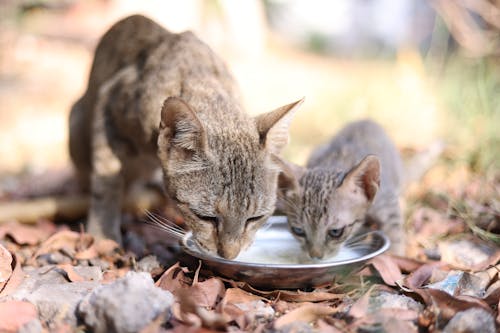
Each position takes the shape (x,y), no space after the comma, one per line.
(275,259)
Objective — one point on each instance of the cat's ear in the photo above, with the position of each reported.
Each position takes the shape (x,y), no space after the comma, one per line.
(180,127)
(364,176)
(288,178)
(273,127)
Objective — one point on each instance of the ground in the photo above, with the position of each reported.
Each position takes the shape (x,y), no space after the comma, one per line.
(55,277)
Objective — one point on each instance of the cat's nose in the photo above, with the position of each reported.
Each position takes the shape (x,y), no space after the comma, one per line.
(229,250)
(316,253)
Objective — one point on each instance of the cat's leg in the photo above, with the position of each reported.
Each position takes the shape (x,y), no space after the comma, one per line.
(79,142)
(107,182)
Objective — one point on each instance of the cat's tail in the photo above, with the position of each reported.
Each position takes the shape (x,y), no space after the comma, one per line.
(415,167)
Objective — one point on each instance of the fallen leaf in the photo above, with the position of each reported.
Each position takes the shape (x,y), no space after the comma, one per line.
(70,272)
(106,247)
(324,327)
(244,308)
(290,295)
(66,239)
(387,268)
(173,278)
(309,312)
(406,265)
(5,266)
(14,314)
(360,308)
(27,235)
(15,278)
(449,305)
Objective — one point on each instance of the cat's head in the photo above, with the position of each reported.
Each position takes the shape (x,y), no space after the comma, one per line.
(224,181)
(325,207)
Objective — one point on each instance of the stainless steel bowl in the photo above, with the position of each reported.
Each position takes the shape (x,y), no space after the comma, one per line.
(275,259)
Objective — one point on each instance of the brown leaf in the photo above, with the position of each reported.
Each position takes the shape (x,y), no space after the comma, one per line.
(294,296)
(207,293)
(387,268)
(70,272)
(324,327)
(87,254)
(65,239)
(244,308)
(15,278)
(27,235)
(14,314)
(407,265)
(5,266)
(173,278)
(449,305)
(309,312)
(421,275)
(360,308)
(106,247)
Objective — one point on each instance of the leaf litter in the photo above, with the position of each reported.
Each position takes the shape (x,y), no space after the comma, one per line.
(450,274)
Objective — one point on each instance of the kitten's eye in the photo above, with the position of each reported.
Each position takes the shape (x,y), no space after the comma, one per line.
(212,219)
(336,233)
(298,231)
(255,218)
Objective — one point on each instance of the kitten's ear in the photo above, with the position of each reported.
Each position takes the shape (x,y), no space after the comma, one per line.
(180,127)
(273,127)
(289,176)
(365,176)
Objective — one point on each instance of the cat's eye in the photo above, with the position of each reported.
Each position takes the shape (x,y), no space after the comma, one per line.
(208,218)
(255,218)
(336,233)
(298,231)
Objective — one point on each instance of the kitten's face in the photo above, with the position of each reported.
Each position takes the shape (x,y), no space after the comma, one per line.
(225,187)
(326,207)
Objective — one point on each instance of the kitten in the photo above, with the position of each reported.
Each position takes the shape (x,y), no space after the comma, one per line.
(159,99)
(354,178)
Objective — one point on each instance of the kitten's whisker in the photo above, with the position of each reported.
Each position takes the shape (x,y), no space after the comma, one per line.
(358,238)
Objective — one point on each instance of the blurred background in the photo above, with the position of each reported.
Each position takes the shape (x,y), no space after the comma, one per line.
(427,70)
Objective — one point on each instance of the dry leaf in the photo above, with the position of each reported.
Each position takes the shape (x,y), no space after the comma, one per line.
(244,308)
(5,266)
(173,278)
(309,312)
(70,272)
(14,314)
(289,295)
(15,278)
(208,292)
(387,268)
(27,235)
(66,239)
(360,308)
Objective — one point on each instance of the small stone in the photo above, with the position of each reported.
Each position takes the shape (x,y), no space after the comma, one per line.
(471,320)
(148,264)
(55,301)
(385,300)
(89,273)
(126,305)
(34,326)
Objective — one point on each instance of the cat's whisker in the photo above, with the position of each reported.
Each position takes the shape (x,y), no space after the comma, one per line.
(163,220)
(164,224)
